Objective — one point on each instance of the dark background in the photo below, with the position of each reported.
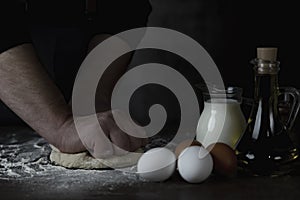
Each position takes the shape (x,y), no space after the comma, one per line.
(230,30)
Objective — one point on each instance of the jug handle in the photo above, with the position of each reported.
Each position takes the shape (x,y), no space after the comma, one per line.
(295,105)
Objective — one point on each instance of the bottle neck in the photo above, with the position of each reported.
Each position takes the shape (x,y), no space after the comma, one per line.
(266,87)
(266,79)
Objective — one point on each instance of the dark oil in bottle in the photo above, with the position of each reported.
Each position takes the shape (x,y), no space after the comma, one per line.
(266,148)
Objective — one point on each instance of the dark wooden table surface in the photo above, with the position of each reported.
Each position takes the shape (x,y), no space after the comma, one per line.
(26,173)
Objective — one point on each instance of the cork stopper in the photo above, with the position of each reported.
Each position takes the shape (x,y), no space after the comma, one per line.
(267,53)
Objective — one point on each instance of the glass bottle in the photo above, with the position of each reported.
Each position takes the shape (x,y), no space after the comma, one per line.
(266,148)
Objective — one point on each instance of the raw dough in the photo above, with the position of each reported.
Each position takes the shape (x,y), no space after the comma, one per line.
(85,161)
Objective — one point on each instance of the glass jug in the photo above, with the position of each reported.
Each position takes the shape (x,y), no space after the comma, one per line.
(266,148)
(222,119)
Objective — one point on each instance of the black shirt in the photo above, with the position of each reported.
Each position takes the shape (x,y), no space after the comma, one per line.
(61,29)
(18,17)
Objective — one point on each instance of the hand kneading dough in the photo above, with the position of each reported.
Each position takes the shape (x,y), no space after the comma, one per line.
(85,161)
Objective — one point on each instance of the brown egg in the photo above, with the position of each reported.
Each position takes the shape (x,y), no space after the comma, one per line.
(186,143)
(224,158)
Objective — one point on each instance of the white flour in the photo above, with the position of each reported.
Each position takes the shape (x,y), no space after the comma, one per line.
(25,156)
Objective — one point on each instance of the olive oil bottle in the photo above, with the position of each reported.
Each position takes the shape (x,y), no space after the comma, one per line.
(266,148)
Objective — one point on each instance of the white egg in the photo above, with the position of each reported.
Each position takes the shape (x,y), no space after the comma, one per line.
(195,164)
(157,164)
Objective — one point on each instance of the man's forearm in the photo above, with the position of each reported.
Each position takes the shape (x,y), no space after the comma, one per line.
(27,90)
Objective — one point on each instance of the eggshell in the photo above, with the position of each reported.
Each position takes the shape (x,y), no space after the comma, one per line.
(195,164)
(224,158)
(157,164)
(186,143)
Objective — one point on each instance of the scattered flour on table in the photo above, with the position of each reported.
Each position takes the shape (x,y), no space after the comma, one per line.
(25,156)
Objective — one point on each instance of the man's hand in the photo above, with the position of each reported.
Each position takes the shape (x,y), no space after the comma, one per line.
(105,141)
